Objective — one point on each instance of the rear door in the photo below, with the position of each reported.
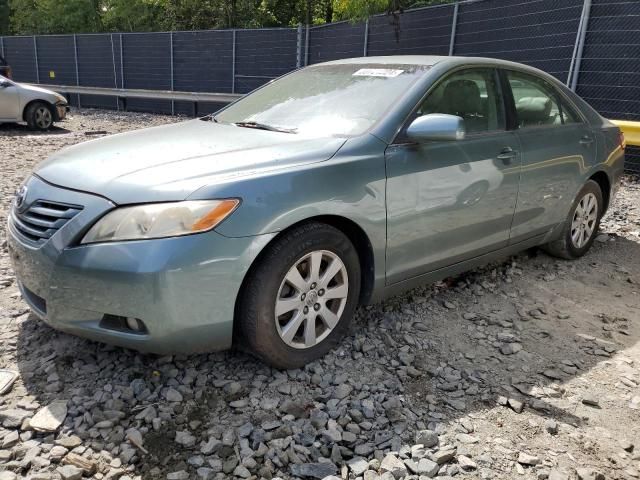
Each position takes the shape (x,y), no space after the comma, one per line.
(558,147)
(448,201)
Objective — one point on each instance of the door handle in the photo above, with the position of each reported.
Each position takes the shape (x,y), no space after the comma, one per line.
(507,154)
(586,140)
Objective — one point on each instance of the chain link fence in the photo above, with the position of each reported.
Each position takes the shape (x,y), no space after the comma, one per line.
(591,45)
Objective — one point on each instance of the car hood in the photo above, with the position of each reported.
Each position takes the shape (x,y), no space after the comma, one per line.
(171,162)
(32,91)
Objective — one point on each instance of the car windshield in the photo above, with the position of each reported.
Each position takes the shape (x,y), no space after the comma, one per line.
(325,100)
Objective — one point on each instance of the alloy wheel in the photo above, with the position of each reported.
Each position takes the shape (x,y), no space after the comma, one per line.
(311,299)
(584,220)
(43,117)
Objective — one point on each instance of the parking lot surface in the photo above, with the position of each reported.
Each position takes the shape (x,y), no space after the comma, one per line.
(527,368)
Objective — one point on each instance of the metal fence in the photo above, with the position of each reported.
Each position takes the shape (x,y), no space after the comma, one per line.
(591,45)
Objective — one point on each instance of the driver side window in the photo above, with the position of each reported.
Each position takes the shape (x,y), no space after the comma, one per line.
(472,95)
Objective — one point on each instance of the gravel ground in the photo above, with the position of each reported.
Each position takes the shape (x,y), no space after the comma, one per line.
(527,369)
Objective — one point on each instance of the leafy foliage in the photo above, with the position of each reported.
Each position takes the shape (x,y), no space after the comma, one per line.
(79,16)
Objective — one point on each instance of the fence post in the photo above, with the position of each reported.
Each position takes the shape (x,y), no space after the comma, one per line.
(35,53)
(124,101)
(2,46)
(454,27)
(575,47)
(75,57)
(306,48)
(115,74)
(173,103)
(233,64)
(299,47)
(582,35)
(366,38)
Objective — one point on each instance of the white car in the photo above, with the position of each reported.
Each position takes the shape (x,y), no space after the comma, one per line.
(39,107)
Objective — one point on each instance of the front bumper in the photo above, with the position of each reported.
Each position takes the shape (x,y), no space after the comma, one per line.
(61,112)
(183,289)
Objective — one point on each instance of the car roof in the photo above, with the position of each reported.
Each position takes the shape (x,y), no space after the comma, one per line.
(427,60)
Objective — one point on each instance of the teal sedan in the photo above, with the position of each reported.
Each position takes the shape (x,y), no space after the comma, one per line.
(266,224)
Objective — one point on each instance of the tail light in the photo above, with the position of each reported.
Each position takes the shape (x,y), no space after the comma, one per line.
(623,142)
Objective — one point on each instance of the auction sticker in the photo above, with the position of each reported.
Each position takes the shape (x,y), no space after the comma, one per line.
(377,72)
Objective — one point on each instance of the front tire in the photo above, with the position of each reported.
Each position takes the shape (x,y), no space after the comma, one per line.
(581,227)
(39,116)
(298,301)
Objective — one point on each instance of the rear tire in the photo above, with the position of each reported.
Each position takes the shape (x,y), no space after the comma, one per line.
(315,312)
(39,116)
(581,227)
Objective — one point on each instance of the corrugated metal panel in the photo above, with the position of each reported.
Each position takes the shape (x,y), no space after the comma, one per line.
(423,32)
(336,41)
(147,64)
(95,67)
(540,33)
(610,71)
(262,55)
(20,54)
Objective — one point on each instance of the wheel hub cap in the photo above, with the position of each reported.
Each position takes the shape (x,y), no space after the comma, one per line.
(43,117)
(311,299)
(584,220)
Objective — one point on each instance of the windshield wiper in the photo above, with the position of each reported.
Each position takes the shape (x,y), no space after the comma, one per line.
(264,126)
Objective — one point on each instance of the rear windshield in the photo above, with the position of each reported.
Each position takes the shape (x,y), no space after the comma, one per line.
(326,100)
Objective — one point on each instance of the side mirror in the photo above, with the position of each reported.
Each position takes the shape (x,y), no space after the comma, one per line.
(436,126)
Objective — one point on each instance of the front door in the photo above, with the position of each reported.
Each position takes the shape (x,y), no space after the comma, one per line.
(9,101)
(449,201)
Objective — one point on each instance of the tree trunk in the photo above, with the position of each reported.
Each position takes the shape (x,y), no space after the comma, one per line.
(328,12)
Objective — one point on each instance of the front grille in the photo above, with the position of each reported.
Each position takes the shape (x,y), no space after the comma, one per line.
(42,219)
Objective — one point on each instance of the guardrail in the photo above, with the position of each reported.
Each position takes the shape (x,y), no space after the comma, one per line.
(631,131)
(123,93)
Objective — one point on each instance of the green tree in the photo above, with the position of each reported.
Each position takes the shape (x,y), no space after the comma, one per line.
(54,16)
(356,10)
(78,16)
(133,15)
(4,17)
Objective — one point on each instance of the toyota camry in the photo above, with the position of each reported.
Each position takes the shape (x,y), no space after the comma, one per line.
(267,223)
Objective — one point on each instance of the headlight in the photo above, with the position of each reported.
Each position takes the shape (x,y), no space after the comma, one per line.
(158,220)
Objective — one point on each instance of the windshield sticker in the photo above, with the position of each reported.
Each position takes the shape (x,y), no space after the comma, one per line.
(378,72)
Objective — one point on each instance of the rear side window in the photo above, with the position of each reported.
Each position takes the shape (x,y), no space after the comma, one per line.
(569,115)
(536,102)
(471,94)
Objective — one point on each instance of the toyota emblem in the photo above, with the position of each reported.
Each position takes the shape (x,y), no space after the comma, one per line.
(21,194)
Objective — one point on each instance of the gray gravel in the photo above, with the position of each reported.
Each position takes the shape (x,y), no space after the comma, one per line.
(527,368)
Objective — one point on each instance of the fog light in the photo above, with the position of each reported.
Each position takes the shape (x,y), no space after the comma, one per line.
(123,324)
(134,324)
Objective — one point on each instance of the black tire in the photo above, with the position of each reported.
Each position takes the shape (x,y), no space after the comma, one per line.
(39,116)
(255,312)
(564,246)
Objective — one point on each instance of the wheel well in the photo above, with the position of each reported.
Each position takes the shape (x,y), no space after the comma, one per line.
(602,179)
(363,246)
(354,233)
(26,107)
